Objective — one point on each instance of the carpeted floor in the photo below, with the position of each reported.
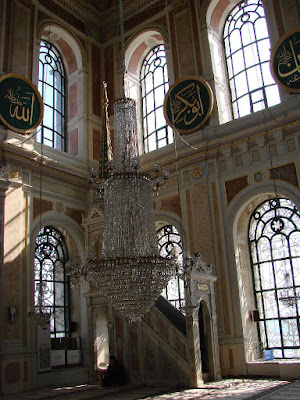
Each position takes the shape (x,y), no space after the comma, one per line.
(227,389)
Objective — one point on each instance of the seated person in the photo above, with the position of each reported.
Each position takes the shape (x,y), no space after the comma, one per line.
(115,373)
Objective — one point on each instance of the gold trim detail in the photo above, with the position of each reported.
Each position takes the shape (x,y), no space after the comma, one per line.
(286,56)
(192,101)
(40,100)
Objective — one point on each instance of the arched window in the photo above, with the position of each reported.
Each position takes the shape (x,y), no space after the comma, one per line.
(52,88)
(247,51)
(169,241)
(155,84)
(274,240)
(49,269)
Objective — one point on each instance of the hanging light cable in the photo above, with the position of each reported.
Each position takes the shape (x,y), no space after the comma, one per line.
(42,312)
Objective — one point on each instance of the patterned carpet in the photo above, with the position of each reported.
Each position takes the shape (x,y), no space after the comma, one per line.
(227,389)
(237,389)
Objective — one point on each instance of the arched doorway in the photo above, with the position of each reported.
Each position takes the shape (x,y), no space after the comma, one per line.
(101,337)
(205,320)
(205,342)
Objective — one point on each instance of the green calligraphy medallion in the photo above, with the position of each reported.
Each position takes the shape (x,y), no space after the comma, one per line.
(21,106)
(285,61)
(188,104)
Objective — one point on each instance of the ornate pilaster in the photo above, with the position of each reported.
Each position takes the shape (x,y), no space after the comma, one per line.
(194,353)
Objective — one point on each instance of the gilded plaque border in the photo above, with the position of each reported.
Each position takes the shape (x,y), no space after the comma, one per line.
(209,109)
(40,100)
(273,54)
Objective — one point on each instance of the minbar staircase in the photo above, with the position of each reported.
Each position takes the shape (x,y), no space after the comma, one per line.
(165,342)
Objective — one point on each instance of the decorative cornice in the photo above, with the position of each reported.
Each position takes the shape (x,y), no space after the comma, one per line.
(232,136)
(4,173)
(31,159)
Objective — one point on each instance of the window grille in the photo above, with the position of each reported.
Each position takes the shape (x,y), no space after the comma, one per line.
(52,89)
(169,241)
(274,240)
(247,52)
(155,84)
(49,266)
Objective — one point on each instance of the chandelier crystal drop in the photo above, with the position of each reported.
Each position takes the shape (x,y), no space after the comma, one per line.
(42,311)
(131,274)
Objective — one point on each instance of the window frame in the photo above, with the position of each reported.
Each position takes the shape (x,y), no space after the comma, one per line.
(51,134)
(280,212)
(169,232)
(50,243)
(265,81)
(162,134)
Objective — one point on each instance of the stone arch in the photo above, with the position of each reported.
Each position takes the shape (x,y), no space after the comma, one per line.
(64,40)
(139,45)
(71,231)
(215,13)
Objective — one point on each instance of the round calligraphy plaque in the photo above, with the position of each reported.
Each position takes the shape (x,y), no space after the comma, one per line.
(188,104)
(21,106)
(285,61)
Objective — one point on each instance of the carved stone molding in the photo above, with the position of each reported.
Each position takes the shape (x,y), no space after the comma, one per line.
(4,170)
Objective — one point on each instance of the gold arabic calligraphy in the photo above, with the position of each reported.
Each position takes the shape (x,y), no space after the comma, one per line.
(21,107)
(289,61)
(187,105)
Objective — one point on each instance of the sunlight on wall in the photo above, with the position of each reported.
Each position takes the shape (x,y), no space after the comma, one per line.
(101,340)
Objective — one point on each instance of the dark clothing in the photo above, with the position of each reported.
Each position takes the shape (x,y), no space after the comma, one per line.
(115,374)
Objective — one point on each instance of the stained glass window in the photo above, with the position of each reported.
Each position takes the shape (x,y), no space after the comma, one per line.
(155,84)
(274,240)
(169,243)
(49,269)
(52,89)
(247,51)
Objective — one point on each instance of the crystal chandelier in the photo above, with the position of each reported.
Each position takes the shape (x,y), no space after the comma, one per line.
(289,296)
(131,274)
